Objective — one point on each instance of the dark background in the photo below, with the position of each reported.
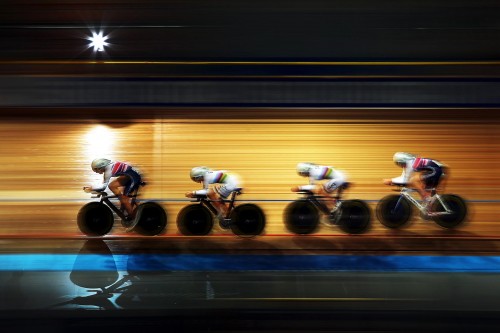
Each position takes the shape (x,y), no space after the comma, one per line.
(311,30)
(199,53)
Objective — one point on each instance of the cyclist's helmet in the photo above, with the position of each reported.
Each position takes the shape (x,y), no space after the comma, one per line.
(100,163)
(197,173)
(304,168)
(400,158)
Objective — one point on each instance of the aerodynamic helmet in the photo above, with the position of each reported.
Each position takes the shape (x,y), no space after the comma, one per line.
(99,163)
(197,173)
(304,168)
(400,158)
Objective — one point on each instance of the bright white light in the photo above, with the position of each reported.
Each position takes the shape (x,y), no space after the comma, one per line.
(99,142)
(98,41)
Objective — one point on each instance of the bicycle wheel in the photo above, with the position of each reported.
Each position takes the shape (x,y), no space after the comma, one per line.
(456,205)
(195,220)
(152,219)
(354,216)
(247,220)
(95,219)
(301,217)
(393,211)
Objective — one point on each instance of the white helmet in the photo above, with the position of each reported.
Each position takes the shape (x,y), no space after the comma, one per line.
(197,173)
(400,158)
(99,163)
(304,168)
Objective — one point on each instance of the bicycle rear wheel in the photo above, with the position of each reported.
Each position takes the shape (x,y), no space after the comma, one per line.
(355,216)
(457,207)
(301,217)
(247,220)
(152,219)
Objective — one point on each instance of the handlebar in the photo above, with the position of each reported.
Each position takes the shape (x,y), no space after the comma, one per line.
(98,194)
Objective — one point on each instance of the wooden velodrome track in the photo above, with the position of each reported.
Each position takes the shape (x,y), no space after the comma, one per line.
(46,154)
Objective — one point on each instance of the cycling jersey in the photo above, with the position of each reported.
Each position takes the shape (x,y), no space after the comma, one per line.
(335,178)
(432,171)
(230,182)
(117,169)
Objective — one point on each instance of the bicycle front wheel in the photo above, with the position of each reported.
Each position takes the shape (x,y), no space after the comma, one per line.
(301,217)
(247,220)
(393,211)
(95,219)
(195,220)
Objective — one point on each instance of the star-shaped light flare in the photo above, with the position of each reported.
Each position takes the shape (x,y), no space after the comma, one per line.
(98,41)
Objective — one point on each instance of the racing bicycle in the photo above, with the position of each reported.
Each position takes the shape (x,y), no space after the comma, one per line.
(446,210)
(303,216)
(96,218)
(246,220)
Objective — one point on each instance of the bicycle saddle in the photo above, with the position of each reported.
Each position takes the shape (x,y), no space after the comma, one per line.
(305,192)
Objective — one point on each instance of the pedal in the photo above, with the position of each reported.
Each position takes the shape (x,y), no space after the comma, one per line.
(334,217)
(225,223)
(130,224)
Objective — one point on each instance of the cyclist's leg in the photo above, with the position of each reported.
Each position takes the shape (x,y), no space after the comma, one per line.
(217,200)
(116,187)
(331,189)
(431,179)
(417,182)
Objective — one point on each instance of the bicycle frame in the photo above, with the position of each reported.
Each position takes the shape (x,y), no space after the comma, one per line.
(315,200)
(203,200)
(105,198)
(407,193)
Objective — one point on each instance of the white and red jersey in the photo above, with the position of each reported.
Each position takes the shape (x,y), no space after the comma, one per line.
(415,165)
(114,169)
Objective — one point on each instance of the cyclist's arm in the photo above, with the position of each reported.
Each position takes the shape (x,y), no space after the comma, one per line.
(405,175)
(207,180)
(105,182)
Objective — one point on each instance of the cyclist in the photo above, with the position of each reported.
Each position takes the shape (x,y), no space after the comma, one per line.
(224,184)
(336,181)
(423,174)
(126,179)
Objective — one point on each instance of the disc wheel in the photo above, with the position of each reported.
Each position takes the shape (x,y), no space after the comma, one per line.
(393,211)
(456,205)
(301,217)
(152,219)
(95,219)
(194,220)
(247,220)
(354,216)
